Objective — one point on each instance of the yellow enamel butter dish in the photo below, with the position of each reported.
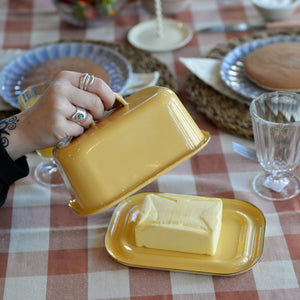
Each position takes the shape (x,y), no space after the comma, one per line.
(149,135)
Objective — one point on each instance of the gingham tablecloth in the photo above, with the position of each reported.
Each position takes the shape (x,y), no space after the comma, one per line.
(48,252)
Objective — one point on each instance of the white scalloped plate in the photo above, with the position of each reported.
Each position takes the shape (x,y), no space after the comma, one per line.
(232,67)
(11,76)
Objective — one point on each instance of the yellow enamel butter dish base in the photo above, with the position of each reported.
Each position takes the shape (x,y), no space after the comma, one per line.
(240,245)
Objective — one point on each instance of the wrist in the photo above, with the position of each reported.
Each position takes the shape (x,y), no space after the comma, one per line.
(11,170)
(11,137)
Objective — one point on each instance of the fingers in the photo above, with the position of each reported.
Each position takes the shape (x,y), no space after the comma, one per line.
(87,100)
(81,117)
(65,109)
(92,91)
(98,87)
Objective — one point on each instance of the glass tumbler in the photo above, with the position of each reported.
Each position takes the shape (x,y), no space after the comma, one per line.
(46,172)
(276,128)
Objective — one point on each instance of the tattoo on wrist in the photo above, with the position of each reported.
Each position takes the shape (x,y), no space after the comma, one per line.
(6,126)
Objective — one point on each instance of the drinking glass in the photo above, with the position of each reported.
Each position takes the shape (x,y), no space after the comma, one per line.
(276,127)
(46,172)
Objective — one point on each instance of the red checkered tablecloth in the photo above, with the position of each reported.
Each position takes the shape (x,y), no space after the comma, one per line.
(48,252)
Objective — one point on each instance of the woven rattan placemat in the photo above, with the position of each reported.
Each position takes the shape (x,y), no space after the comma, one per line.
(224,112)
(141,62)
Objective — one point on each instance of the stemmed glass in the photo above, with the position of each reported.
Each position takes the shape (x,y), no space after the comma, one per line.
(276,127)
(46,172)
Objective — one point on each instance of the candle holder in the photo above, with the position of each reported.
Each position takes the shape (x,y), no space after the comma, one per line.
(160,34)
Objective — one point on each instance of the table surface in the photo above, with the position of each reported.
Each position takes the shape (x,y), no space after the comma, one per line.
(48,252)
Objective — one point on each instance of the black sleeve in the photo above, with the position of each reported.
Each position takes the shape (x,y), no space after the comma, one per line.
(10,171)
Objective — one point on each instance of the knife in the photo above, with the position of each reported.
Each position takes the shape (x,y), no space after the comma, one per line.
(242,27)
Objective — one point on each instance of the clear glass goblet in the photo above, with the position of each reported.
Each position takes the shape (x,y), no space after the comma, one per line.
(46,172)
(276,128)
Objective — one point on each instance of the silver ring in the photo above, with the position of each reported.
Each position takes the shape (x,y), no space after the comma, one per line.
(80,115)
(86,80)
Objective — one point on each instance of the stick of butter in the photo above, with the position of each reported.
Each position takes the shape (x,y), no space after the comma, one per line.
(180,223)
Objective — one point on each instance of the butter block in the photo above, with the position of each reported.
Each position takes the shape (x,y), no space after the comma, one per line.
(180,223)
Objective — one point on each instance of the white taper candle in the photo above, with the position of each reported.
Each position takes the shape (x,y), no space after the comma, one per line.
(159,21)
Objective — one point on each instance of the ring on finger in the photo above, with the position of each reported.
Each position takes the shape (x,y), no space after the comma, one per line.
(86,80)
(80,115)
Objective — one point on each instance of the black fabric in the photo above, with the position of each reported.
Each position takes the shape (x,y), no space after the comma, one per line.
(10,171)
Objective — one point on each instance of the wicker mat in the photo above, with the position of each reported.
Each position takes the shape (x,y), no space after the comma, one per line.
(141,62)
(224,112)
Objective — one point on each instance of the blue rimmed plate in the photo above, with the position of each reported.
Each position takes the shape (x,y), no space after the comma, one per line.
(12,75)
(232,67)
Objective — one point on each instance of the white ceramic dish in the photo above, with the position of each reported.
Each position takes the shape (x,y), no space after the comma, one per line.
(11,76)
(168,6)
(176,35)
(275,10)
(232,67)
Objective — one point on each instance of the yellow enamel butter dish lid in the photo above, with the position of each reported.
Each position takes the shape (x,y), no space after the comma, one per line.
(148,135)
